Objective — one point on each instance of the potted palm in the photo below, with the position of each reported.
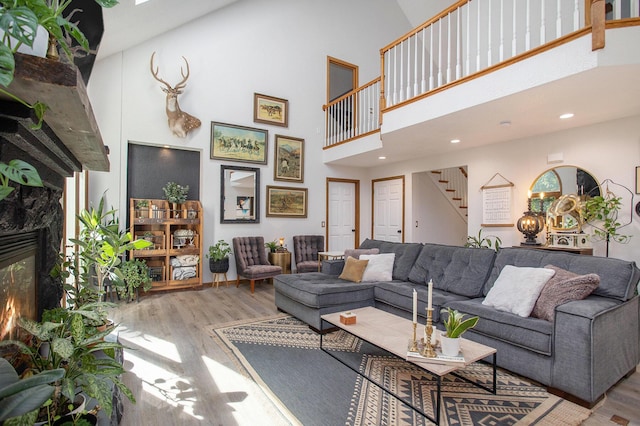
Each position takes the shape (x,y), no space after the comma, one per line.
(455,325)
(219,257)
(272,246)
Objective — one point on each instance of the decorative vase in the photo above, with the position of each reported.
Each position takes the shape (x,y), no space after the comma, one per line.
(219,266)
(450,347)
(175,207)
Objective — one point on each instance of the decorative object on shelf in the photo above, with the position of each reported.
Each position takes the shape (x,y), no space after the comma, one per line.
(180,122)
(483,242)
(142,208)
(270,110)
(183,237)
(219,257)
(176,194)
(455,326)
(239,143)
(530,224)
(601,213)
(239,194)
(496,202)
(288,159)
(286,202)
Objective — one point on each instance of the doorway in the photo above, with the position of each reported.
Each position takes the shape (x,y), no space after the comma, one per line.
(343,214)
(387,209)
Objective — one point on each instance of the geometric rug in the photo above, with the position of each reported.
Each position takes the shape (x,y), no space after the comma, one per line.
(283,356)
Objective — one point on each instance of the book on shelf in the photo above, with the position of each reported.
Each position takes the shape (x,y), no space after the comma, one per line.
(440,358)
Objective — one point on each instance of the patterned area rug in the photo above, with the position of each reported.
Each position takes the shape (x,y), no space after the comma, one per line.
(282,355)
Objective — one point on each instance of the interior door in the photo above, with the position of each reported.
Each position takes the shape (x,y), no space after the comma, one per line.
(342,214)
(388,209)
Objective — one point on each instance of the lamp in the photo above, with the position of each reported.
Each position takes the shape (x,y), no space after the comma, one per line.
(281,241)
(282,248)
(530,224)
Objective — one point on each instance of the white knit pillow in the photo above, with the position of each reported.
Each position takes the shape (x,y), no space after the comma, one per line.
(517,288)
(379,268)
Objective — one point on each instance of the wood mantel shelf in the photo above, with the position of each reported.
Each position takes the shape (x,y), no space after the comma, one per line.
(70,116)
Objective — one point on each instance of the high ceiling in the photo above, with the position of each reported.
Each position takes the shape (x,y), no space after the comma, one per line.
(128,24)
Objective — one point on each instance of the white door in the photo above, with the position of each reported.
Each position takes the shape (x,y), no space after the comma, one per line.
(342,197)
(388,206)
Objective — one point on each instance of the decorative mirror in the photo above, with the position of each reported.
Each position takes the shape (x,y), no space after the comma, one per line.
(562,189)
(239,194)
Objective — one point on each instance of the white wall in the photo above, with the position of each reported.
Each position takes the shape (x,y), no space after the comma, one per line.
(278,48)
(609,150)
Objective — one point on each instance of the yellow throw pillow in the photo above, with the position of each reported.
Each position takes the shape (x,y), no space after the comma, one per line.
(353,269)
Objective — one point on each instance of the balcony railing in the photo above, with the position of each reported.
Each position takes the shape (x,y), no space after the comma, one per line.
(353,115)
(465,41)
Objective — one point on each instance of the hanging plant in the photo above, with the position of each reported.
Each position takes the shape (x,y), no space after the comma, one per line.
(601,212)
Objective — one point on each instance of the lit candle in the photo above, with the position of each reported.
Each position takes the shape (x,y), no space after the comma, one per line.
(529,194)
(429,298)
(415,306)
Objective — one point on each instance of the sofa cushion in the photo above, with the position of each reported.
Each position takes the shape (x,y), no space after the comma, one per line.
(406,254)
(618,278)
(379,268)
(564,287)
(353,269)
(530,333)
(459,270)
(318,290)
(359,251)
(399,294)
(517,289)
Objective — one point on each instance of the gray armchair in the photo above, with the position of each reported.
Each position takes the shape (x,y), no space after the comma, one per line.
(306,248)
(251,260)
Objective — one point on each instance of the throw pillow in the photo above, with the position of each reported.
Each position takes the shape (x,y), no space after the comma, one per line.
(517,288)
(353,269)
(379,268)
(355,253)
(565,286)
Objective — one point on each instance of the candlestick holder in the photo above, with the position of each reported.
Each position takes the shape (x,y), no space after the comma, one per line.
(429,351)
(414,342)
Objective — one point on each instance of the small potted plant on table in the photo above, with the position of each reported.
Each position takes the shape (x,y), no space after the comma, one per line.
(455,325)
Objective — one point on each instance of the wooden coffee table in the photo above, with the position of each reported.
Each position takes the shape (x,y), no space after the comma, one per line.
(392,333)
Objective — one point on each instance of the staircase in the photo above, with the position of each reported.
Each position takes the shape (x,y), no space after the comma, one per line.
(452,182)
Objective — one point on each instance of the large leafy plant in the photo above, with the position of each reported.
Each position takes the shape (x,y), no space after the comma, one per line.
(19,19)
(17,171)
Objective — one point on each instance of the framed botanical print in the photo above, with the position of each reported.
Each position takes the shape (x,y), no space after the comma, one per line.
(288,159)
(238,143)
(285,201)
(270,110)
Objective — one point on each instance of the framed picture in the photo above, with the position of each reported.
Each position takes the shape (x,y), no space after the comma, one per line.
(238,143)
(270,110)
(289,159)
(285,201)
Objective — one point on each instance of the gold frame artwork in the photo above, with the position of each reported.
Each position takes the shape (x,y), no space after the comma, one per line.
(285,201)
(270,110)
(288,158)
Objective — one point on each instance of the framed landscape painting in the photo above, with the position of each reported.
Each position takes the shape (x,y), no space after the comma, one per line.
(285,201)
(238,143)
(270,110)
(289,159)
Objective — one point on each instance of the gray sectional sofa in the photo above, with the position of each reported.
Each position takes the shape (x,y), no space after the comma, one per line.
(590,346)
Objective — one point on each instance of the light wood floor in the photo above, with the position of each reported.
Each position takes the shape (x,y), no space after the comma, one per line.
(179,375)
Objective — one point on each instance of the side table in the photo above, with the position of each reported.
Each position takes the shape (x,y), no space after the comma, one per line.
(327,255)
(281,259)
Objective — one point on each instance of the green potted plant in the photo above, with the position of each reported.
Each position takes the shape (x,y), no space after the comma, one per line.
(136,275)
(142,207)
(20,19)
(175,194)
(455,325)
(219,257)
(67,345)
(601,212)
(272,246)
(483,242)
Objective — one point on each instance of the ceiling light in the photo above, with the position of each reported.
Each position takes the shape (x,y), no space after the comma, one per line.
(455,140)
(567,115)
(382,157)
(505,123)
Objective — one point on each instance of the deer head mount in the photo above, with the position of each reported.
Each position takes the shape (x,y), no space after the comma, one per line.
(180,122)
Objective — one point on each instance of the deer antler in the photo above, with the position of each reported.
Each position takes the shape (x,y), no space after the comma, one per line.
(155,73)
(183,83)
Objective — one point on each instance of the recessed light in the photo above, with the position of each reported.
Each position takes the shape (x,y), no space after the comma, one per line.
(505,123)
(455,140)
(382,157)
(567,115)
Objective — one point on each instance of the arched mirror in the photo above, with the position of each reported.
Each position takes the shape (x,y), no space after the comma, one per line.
(239,194)
(571,182)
